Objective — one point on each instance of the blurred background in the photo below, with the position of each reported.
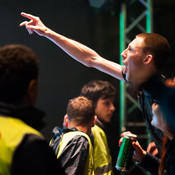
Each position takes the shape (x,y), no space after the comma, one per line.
(94,23)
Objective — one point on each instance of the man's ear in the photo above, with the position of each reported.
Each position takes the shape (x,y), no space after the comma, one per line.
(66,121)
(148,59)
(94,120)
(32,92)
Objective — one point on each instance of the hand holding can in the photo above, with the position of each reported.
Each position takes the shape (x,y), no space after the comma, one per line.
(126,152)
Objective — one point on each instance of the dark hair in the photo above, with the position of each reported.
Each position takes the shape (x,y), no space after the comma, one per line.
(18,66)
(96,89)
(158,46)
(80,110)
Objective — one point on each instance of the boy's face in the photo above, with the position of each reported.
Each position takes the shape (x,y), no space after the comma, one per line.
(104,109)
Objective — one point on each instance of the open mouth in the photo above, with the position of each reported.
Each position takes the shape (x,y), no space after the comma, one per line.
(124,69)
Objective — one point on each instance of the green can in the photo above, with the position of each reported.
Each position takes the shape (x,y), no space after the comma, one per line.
(126,152)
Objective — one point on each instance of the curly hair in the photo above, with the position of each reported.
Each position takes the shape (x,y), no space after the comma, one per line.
(18,66)
(96,89)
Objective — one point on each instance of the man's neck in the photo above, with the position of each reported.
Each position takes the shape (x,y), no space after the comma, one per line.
(99,123)
(85,129)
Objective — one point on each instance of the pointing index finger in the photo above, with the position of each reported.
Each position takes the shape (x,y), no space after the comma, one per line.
(29,16)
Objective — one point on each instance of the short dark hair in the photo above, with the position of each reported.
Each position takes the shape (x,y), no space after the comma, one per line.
(18,66)
(158,46)
(80,110)
(96,89)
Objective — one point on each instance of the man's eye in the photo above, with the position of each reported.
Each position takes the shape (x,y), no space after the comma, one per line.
(107,103)
(130,49)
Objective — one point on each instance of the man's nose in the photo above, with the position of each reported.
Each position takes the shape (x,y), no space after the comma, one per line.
(112,107)
(123,54)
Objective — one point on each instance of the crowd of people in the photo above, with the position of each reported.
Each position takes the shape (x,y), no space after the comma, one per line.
(80,146)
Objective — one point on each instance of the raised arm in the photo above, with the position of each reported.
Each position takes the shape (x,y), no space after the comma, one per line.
(76,50)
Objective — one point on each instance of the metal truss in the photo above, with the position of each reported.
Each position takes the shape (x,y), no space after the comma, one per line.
(135,18)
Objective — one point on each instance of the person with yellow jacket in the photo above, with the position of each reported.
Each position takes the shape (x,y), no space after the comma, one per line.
(23,149)
(102,93)
(72,144)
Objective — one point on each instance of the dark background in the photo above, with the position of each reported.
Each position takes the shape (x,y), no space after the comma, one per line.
(61,78)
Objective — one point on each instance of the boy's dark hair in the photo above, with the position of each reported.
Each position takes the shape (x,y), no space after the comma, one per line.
(80,110)
(96,89)
(18,66)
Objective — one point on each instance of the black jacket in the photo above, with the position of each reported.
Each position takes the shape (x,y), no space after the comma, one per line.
(74,155)
(32,156)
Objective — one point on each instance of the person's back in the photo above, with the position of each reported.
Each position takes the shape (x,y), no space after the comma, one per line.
(102,93)
(72,145)
(23,149)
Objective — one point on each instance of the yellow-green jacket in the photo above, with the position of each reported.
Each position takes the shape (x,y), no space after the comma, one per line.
(12,131)
(67,139)
(102,156)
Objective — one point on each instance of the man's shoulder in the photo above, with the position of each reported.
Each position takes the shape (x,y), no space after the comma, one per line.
(98,131)
(74,140)
(76,135)
(31,146)
(33,142)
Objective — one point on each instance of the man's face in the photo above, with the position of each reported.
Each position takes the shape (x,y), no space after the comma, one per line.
(104,109)
(133,61)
